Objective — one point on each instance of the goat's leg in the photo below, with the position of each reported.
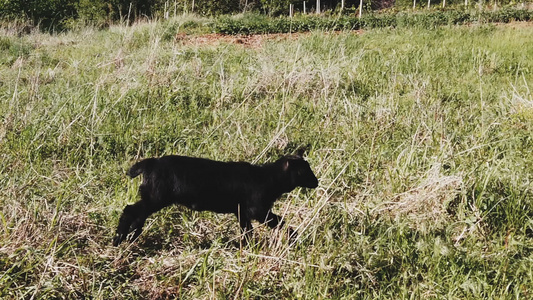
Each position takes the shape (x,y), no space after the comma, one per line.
(246,225)
(137,226)
(129,214)
(132,219)
(275,221)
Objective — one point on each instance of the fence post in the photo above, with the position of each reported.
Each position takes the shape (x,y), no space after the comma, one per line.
(291,10)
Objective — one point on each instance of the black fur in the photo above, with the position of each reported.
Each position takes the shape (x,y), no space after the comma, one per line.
(240,188)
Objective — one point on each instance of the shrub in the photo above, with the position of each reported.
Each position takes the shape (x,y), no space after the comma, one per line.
(260,24)
(47,13)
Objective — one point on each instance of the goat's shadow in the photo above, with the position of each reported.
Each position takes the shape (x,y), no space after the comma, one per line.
(154,243)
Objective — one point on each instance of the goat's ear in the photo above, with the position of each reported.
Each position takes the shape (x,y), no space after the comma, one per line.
(300,152)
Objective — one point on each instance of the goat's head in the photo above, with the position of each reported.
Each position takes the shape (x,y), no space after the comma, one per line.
(298,170)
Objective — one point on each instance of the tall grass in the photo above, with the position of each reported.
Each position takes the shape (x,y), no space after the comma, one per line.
(421,139)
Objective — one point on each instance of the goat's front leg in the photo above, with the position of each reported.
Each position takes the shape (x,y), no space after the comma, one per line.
(272,220)
(275,221)
(246,225)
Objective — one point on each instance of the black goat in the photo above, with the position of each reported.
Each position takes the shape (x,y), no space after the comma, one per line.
(240,188)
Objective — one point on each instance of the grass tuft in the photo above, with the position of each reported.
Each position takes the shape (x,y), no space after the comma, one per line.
(421,140)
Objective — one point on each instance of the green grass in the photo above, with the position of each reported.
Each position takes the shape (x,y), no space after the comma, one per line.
(421,140)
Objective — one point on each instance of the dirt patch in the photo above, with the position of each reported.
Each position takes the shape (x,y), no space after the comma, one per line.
(254,41)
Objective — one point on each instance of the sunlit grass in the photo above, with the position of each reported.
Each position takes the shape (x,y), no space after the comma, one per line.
(421,140)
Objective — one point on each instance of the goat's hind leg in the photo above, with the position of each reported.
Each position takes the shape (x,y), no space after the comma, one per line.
(131,220)
(124,223)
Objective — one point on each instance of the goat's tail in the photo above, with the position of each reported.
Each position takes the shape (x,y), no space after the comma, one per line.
(142,167)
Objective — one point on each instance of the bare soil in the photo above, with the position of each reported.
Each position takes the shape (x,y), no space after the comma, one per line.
(254,41)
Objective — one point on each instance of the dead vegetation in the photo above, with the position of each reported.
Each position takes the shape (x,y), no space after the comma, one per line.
(426,205)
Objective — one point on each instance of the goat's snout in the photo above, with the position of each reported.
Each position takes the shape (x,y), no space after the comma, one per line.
(311,182)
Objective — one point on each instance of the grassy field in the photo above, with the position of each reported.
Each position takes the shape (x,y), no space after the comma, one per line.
(422,141)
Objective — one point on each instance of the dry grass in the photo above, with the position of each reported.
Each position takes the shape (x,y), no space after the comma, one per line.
(425,207)
(424,162)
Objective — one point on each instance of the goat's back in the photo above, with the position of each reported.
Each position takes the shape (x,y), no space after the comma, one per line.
(197,172)
(199,183)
